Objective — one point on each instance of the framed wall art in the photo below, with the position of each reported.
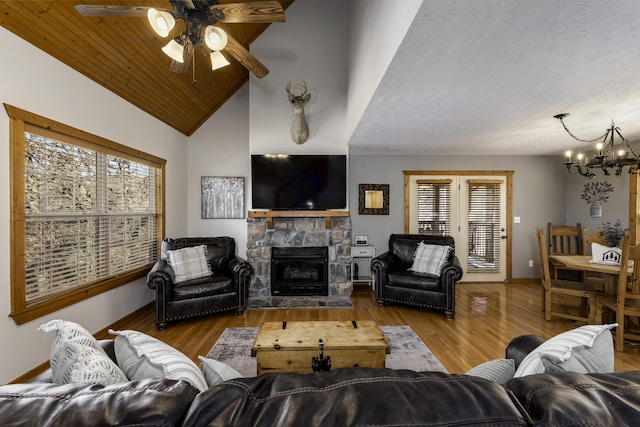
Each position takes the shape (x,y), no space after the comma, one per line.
(222,197)
(373,199)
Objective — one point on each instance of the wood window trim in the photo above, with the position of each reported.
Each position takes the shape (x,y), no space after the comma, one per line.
(20,120)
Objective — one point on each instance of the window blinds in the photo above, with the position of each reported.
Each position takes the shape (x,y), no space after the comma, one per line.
(434,207)
(484,224)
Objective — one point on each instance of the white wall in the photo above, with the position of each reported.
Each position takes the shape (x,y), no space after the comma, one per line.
(301,50)
(38,83)
(376,29)
(220,148)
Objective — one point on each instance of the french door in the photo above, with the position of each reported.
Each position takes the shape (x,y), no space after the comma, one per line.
(473,207)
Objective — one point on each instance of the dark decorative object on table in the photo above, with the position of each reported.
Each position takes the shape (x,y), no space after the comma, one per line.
(613,233)
(321,363)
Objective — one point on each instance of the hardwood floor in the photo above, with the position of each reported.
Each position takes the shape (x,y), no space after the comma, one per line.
(487,317)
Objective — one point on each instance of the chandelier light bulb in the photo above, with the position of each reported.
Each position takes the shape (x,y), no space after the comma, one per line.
(599,148)
(175,51)
(568,155)
(215,38)
(622,153)
(218,60)
(161,21)
(579,156)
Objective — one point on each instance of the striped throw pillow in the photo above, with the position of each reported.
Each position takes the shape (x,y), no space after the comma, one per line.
(498,370)
(587,349)
(141,356)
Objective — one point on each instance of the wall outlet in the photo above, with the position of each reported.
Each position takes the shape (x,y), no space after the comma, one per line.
(530,263)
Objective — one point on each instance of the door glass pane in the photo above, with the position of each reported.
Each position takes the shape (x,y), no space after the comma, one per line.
(484,225)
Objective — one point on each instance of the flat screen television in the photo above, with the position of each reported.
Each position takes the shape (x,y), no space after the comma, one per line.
(299,182)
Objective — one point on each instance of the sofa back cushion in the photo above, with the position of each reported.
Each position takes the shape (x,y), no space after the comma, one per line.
(355,396)
(152,402)
(572,399)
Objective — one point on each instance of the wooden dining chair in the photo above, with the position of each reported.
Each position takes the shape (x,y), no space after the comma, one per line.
(565,240)
(594,279)
(560,294)
(626,302)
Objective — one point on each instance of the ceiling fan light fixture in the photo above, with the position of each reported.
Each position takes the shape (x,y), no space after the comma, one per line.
(175,51)
(218,60)
(215,38)
(161,21)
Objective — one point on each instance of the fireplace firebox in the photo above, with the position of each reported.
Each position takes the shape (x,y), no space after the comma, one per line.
(299,271)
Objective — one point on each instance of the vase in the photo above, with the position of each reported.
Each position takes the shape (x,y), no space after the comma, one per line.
(596,210)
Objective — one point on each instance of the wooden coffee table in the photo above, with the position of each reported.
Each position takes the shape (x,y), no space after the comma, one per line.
(289,346)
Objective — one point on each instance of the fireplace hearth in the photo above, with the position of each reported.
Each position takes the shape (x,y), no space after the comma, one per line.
(299,271)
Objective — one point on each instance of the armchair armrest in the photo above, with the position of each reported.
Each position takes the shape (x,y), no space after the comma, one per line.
(160,274)
(451,271)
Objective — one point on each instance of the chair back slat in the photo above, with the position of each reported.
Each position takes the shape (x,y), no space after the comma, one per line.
(565,240)
(629,253)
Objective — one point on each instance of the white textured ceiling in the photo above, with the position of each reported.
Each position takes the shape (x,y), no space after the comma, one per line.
(487,77)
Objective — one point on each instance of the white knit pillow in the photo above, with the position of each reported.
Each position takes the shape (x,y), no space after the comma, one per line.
(77,357)
(587,349)
(142,357)
(189,263)
(430,258)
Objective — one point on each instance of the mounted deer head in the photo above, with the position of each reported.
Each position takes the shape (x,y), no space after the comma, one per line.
(299,128)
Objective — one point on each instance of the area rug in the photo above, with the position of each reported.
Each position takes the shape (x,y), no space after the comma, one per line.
(407,350)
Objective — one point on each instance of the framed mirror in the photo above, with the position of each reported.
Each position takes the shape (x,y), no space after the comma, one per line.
(373,199)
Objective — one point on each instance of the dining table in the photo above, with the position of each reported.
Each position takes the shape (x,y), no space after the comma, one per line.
(584,263)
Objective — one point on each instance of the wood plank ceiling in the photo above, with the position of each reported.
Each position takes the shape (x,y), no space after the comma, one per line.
(124,55)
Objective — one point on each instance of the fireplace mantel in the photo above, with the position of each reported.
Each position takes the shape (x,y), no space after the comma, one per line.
(269,215)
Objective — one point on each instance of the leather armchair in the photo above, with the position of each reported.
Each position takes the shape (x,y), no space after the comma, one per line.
(397,284)
(225,290)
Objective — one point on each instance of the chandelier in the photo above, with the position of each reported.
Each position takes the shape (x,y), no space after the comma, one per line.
(606,156)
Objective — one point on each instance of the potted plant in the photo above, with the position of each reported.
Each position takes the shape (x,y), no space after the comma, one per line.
(613,233)
(595,193)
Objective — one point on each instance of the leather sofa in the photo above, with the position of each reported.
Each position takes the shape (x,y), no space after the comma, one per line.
(226,289)
(396,283)
(345,397)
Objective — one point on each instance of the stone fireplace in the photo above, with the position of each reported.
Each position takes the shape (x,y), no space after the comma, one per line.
(313,231)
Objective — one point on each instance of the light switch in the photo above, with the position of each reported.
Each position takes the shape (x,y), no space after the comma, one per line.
(516,220)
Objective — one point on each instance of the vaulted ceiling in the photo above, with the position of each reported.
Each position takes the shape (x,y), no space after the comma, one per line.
(469,77)
(124,55)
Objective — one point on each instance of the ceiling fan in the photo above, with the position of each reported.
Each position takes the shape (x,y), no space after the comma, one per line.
(199,17)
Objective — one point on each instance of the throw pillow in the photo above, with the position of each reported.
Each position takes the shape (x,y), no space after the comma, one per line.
(141,356)
(430,258)
(216,372)
(189,263)
(77,357)
(601,254)
(498,370)
(587,349)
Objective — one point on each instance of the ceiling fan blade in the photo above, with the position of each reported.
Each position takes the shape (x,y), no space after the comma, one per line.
(258,11)
(111,10)
(244,57)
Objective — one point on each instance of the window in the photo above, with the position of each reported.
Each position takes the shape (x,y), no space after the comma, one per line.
(484,224)
(434,207)
(86,214)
